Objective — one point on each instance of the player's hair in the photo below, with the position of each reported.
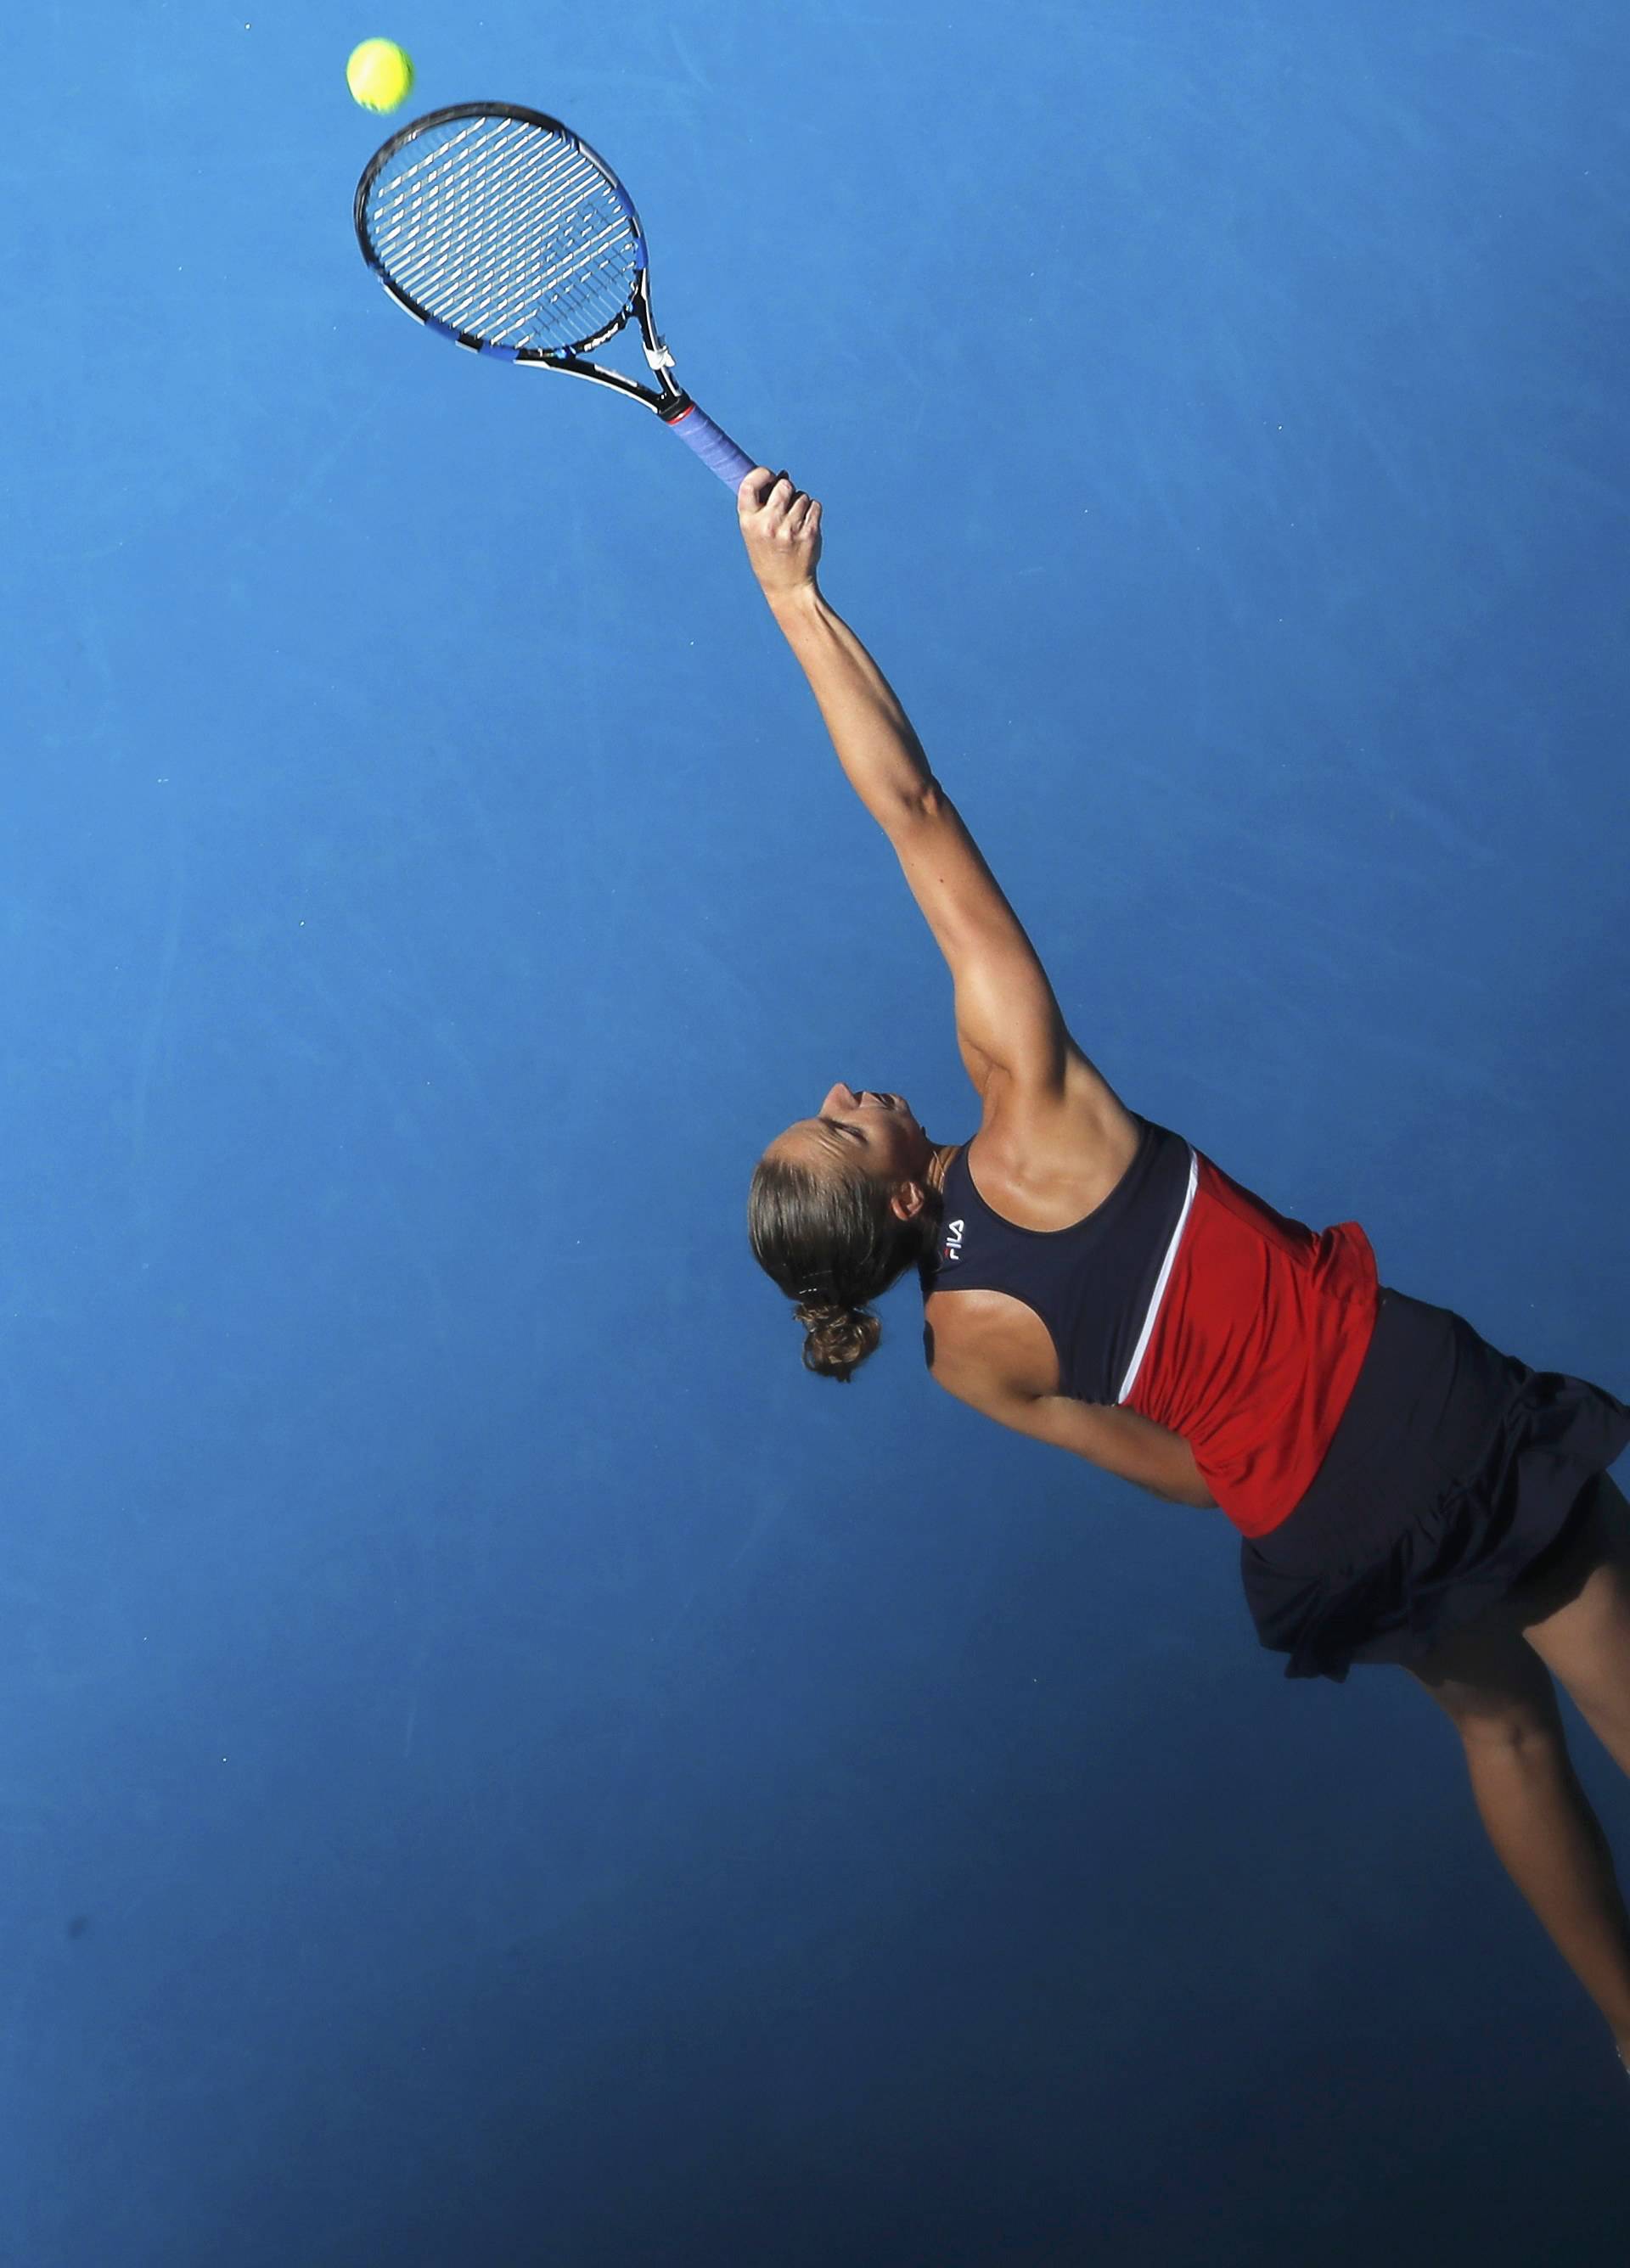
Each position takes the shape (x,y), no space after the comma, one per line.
(827,1237)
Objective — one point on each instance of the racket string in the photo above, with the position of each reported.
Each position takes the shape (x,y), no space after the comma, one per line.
(508,234)
(447,206)
(554,284)
(473,291)
(465,223)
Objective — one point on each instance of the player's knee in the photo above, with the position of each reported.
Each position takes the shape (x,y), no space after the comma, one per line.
(1515,1715)
(1517,1732)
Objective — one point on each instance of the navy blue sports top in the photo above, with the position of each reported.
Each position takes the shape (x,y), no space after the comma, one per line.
(1094,1285)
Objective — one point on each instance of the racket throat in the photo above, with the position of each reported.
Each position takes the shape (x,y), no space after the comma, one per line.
(675,402)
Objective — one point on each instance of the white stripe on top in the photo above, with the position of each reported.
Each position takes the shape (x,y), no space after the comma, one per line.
(1149,1320)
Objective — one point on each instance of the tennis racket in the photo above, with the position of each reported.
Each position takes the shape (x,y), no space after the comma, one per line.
(501,229)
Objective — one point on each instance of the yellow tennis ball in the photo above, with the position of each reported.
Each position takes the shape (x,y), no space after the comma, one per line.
(380,74)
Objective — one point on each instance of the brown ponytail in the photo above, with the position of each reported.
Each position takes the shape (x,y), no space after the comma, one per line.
(832,1243)
(836,1340)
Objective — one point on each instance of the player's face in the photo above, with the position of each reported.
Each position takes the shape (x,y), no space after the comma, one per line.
(877,1129)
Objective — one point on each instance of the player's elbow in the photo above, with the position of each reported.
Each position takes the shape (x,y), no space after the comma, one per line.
(917,812)
(931,801)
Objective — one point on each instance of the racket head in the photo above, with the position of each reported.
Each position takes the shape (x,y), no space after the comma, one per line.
(500,228)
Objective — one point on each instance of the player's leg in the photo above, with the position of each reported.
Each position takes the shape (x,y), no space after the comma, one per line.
(1579,1626)
(1500,1697)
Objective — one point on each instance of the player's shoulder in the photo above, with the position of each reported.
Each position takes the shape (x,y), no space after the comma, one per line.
(1046,1157)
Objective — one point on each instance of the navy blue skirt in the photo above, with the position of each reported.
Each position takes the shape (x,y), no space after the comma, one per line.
(1456,1474)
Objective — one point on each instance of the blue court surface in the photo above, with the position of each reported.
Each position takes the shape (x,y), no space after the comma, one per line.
(499,1766)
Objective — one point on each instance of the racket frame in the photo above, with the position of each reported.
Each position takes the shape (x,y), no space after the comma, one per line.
(670,402)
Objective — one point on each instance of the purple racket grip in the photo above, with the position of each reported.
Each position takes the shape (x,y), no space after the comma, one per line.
(718,452)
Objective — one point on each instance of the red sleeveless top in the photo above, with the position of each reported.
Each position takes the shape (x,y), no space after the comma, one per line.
(1256,1346)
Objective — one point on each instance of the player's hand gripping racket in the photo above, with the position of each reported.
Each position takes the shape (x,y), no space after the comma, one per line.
(502,230)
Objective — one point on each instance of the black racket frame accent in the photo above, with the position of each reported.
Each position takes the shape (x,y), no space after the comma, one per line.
(670,402)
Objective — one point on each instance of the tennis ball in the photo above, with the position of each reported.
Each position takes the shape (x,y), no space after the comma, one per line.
(380,74)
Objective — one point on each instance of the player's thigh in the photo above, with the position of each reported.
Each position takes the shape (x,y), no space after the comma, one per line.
(1578,1621)
(1491,1683)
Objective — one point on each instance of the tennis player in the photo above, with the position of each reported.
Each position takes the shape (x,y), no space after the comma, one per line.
(1404,1493)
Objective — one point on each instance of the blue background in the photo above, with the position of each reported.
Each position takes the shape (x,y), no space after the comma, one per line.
(499,1766)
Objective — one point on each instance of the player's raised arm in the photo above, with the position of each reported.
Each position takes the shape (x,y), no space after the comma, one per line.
(1007,1015)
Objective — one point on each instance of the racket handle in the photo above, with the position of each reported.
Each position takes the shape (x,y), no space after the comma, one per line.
(718,452)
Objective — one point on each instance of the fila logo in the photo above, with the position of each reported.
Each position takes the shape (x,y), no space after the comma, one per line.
(951,1248)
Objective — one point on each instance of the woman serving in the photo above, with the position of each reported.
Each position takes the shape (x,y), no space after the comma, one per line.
(1405,1493)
